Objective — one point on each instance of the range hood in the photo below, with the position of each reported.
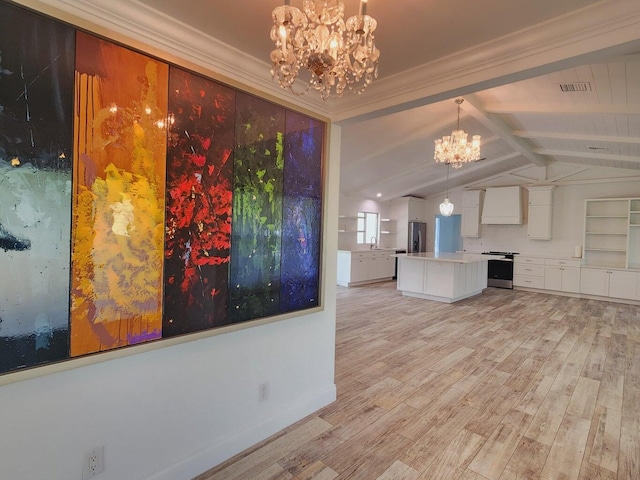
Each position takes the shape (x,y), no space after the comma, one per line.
(502,206)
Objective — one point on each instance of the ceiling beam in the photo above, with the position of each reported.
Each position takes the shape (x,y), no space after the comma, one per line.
(453,174)
(576,136)
(422,132)
(595,156)
(558,109)
(498,126)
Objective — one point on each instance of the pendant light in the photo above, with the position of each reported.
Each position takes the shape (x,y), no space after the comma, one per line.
(446,207)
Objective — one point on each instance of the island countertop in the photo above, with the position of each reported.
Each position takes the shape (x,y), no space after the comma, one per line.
(448,257)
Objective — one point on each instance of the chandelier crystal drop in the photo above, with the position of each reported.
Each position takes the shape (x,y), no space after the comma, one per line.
(317,46)
(454,149)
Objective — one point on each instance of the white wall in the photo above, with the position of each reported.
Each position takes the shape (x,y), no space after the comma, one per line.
(567,227)
(175,412)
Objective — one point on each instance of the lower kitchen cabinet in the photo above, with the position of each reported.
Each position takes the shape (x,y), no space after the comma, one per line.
(356,268)
(610,283)
(562,275)
(562,279)
(557,274)
(528,272)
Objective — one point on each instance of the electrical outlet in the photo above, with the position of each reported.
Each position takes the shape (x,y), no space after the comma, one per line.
(263,392)
(93,463)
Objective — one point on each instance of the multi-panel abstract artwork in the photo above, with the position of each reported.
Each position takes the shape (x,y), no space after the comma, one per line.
(141,201)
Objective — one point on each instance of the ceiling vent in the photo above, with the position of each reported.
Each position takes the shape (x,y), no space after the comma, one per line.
(576,87)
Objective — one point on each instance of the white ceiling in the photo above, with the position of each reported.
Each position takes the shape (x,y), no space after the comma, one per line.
(506,58)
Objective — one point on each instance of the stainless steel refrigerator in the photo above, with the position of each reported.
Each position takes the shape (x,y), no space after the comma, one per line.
(417,237)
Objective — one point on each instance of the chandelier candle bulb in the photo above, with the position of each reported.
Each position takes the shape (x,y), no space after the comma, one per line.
(363,7)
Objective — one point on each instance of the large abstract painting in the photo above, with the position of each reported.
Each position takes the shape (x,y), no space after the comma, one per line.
(36,119)
(118,221)
(257,209)
(141,201)
(302,204)
(199,192)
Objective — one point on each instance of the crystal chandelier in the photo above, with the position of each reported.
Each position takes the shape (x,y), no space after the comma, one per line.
(454,150)
(318,47)
(446,207)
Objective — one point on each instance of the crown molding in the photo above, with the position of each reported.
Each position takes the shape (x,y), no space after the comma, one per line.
(144,24)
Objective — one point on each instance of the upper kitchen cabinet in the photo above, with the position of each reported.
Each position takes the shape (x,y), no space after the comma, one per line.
(416,209)
(471,208)
(540,212)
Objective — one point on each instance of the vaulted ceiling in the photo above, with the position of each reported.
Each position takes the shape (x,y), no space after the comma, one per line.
(506,59)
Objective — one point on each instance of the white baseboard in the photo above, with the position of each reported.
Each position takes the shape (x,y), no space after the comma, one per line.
(226,448)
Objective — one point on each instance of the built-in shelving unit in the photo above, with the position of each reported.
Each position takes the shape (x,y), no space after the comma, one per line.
(612,233)
(347,224)
(387,226)
(633,247)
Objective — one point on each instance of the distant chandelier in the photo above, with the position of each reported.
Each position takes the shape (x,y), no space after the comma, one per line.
(323,50)
(446,207)
(454,150)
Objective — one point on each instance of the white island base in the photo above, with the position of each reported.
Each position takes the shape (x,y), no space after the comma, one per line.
(444,277)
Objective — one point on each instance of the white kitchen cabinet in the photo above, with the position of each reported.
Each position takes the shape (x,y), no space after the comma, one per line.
(623,285)
(359,268)
(381,265)
(594,282)
(528,272)
(416,209)
(356,268)
(562,279)
(610,283)
(562,275)
(446,277)
(540,212)
(471,208)
(411,275)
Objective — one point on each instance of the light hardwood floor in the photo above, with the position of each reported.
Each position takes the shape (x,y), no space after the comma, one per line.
(504,386)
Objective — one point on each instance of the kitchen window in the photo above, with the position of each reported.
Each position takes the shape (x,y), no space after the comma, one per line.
(367,228)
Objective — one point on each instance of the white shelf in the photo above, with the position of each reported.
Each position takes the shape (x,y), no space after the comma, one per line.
(605,250)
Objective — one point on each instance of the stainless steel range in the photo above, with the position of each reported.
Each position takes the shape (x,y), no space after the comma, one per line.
(500,270)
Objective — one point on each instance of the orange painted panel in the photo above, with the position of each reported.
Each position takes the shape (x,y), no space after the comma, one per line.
(119,182)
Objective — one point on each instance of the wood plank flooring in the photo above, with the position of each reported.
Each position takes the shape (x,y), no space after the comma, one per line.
(504,386)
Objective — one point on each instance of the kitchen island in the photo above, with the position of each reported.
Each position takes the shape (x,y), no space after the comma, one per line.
(443,277)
